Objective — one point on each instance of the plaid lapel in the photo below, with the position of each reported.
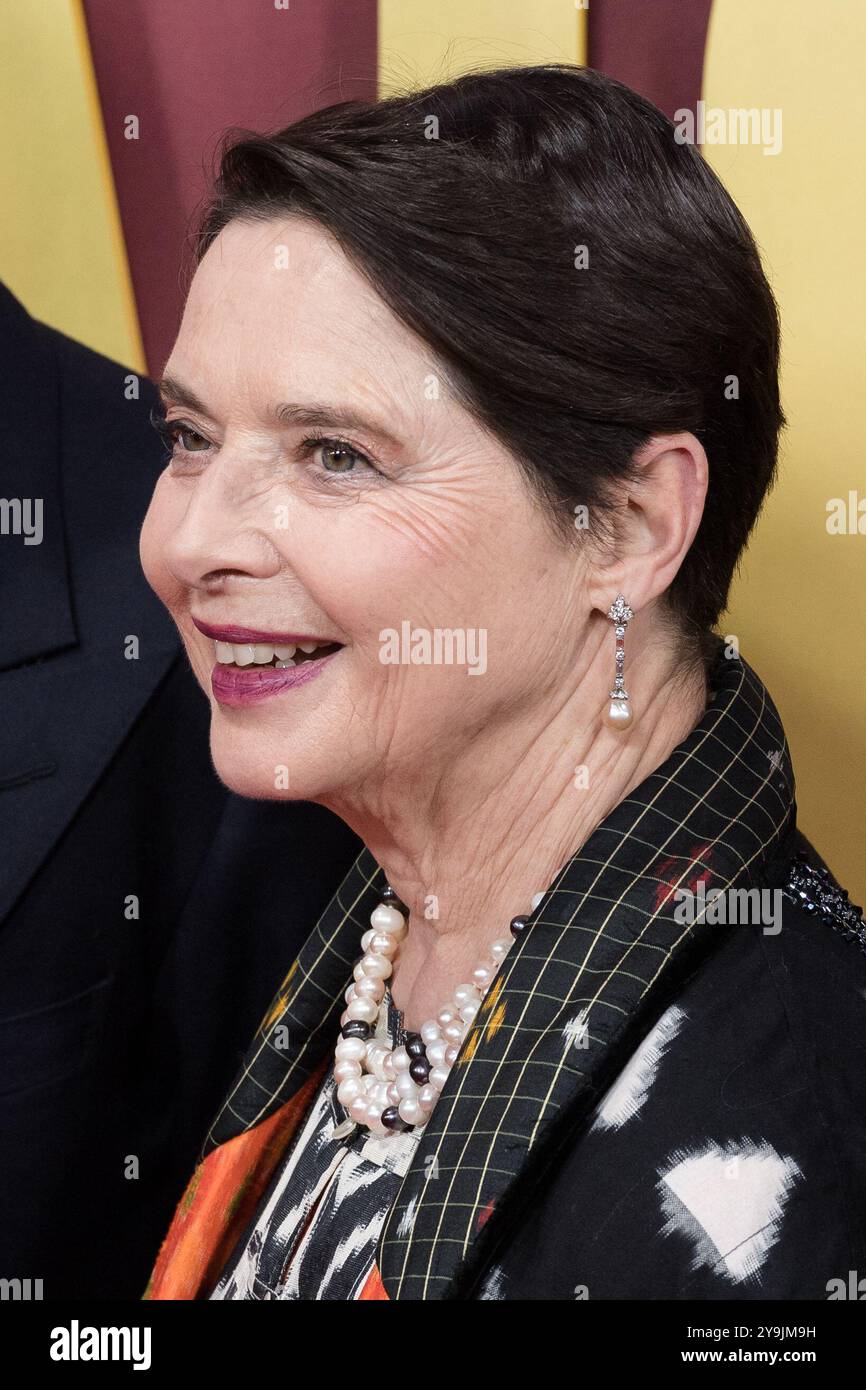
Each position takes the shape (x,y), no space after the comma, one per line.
(562,1016)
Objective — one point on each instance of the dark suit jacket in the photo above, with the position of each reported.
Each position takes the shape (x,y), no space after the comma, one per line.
(118,1032)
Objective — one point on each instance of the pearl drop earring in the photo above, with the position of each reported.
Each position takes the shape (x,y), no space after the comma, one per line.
(618,714)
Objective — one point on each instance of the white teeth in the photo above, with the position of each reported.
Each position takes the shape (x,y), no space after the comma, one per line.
(260,653)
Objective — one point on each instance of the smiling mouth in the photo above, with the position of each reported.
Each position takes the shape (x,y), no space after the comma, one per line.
(282,655)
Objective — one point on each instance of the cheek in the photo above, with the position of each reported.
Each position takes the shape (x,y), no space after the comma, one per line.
(378,563)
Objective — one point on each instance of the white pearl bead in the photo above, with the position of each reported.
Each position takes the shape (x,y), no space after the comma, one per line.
(393,1095)
(349,1090)
(370,988)
(438,1076)
(406,1085)
(536,899)
(381,944)
(451,1056)
(618,714)
(374,1119)
(430,1032)
(363,1009)
(469,1011)
(463,993)
(388,919)
(379,1094)
(351,1050)
(343,1071)
(411,1112)
(446,1015)
(482,975)
(454,1032)
(366,939)
(358,1109)
(377,1065)
(400,1059)
(377,967)
(427,1098)
(500,948)
(436,1052)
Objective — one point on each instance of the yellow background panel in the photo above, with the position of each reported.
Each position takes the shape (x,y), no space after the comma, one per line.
(61,246)
(798,607)
(421,43)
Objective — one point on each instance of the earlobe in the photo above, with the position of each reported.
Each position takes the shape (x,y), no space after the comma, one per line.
(664,506)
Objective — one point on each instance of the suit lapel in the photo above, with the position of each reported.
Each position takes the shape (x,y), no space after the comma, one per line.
(67,697)
(37,608)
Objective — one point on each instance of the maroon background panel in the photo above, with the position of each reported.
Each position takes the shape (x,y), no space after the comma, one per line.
(655,46)
(189,69)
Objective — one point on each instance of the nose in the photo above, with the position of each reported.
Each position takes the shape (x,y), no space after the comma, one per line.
(223,532)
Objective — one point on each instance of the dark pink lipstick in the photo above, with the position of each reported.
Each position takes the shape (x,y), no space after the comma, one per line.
(249,685)
(239,686)
(250,634)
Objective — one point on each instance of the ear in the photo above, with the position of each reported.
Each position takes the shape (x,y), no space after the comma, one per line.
(656,522)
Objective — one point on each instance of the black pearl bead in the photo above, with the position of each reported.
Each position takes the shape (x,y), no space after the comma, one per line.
(419,1070)
(356,1028)
(391,1119)
(414,1045)
(389,898)
(518,925)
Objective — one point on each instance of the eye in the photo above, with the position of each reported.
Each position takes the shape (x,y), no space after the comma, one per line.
(338,458)
(179,438)
(189,439)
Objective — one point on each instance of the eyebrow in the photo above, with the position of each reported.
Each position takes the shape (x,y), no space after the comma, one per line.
(312,415)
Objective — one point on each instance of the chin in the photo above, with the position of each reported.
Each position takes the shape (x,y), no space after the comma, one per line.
(249,766)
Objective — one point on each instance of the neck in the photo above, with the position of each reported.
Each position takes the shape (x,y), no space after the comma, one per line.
(466,851)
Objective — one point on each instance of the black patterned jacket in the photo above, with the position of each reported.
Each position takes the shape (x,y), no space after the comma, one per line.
(652,1103)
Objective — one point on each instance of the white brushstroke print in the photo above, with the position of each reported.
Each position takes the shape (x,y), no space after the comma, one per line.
(729,1203)
(631,1088)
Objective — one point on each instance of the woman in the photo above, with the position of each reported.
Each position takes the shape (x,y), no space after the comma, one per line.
(472,409)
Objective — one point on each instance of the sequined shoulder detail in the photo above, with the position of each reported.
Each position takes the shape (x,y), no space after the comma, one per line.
(816,893)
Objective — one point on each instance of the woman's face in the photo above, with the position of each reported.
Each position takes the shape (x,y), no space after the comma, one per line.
(371,505)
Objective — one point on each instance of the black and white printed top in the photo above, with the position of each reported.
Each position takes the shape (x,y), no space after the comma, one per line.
(315,1233)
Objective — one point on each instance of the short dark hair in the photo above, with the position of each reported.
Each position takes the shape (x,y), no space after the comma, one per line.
(465,204)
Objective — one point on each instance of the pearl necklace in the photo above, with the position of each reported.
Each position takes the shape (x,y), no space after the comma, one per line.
(394,1089)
